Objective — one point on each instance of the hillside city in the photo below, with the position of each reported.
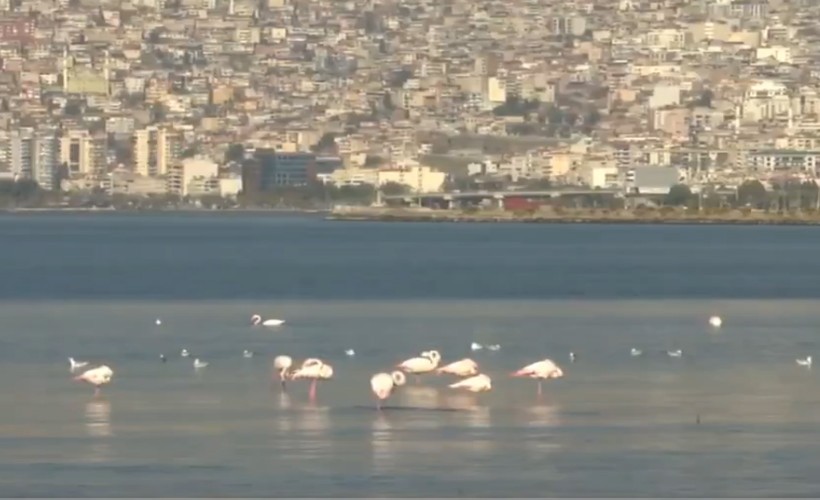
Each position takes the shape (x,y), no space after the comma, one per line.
(274,102)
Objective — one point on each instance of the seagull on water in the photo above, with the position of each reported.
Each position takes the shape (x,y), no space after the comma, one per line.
(350,352)
(674,354)
(804,362)
(199,364)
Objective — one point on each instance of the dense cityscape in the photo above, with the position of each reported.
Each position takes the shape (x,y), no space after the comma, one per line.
(288,103)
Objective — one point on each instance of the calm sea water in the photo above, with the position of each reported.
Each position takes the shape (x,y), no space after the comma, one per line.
(90,286)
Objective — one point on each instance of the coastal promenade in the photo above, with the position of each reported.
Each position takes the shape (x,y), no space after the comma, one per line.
(662,216)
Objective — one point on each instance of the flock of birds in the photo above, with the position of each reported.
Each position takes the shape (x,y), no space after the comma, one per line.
(383,384)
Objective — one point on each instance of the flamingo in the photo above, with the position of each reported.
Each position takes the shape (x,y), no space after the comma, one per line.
(257,320)
(462,368)
(383,385)
(426,362)
(476,383)
(97,377)
(282,364)
(76,365)
(314,369)
(541,370)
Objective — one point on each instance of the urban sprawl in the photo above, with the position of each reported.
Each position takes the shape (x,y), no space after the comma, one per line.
(286,102)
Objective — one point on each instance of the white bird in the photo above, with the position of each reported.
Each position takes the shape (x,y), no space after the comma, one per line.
(493,347)
(158,322)
(199,364)
(476,383)
(541,370)
(282,365)
(97,377)
(426,362)
(674,354)
(804,362)
(247,354)
(257,320)
(475,346)
(350,352)
(715,321)
(76,365)
(184,353)
(313,369)
(462,368)
(635,352)
(572,357)
(383,385)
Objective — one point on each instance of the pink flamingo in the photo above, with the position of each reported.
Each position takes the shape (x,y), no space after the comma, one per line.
(541,370)
(476,383)
(462,368)
(426,362)
(383,385)
(314,369)
(282,365)
(97,377)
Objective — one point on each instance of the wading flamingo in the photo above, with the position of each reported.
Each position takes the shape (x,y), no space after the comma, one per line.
(476,383)
(541,370)
(97,377)
(282,364)
(383,385)
(462,368)
(315,370)
(426,362)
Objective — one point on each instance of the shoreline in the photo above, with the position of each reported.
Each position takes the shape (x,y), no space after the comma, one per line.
(277,211)
(353,214)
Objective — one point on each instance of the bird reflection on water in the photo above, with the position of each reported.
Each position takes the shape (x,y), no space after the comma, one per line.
(382,443)
(98,429)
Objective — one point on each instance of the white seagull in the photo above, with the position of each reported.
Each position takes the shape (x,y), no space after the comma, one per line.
(350,352)
(199,364)
(674,354)
(247,354)
(635,352)
(804,362)
(184,353)
(475,346)
(715,321)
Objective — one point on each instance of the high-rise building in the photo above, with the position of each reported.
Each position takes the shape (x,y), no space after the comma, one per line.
(46,157)
(80,152)
(155,149)
(21,152)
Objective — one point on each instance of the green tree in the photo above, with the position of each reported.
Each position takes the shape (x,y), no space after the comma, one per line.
(753,193)
(678,195)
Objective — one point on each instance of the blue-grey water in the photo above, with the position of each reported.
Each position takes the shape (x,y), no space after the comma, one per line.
(91,286)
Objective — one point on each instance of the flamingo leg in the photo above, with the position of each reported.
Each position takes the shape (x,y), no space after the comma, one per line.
(539,388)
(416,378)
(312,392)
(96,391)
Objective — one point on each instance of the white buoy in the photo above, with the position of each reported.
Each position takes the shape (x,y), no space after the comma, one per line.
(715,321)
